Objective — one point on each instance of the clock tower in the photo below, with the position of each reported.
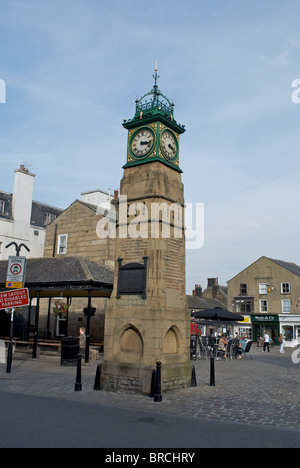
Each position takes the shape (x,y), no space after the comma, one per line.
(148,319)
(153,134)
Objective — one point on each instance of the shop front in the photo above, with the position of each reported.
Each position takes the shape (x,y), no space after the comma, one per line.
(244,328)
(265,324)
(290,330)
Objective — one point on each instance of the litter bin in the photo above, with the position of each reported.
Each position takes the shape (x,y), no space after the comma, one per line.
(69,351)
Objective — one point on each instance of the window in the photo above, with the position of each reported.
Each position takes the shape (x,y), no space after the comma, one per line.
(263,305)
(286,306)
(62,244)
(288,332)
(2,207)
(244,307)
(263,288)
(246,332)
(243,289)
(49,218)
(285,288)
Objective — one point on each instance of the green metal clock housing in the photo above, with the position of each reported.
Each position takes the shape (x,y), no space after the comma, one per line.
(153,133)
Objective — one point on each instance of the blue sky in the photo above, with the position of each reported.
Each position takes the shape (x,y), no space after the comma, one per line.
(73,69)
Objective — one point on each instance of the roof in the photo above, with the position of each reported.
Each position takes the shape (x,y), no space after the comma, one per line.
(196,303)
(90,206)
(292,267)
(69,274)
(39,211)
(288,266)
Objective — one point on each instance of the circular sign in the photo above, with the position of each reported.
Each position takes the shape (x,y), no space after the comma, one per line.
(16,269)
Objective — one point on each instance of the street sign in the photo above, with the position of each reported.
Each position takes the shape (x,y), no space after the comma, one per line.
(16,271)
(15,298)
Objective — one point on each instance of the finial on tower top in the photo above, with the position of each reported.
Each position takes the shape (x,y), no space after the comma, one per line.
(155,79)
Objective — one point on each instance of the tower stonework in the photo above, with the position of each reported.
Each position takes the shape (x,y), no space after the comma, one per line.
(148,318)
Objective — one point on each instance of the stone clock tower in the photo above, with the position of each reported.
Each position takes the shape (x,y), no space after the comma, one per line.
(148,318)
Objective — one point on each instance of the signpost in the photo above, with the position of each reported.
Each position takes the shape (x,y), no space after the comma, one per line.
(15,278)
(16,271)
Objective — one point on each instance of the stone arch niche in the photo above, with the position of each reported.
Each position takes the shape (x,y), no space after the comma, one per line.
(171,341)
(131,341)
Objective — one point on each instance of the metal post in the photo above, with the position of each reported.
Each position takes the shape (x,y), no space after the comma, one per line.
(27,334)
(10,344)
(36,326)
(158,395)
(88,329)
(153,384)
(78,384)
(212,372)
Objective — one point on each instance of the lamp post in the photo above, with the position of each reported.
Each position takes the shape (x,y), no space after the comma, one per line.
(17,247)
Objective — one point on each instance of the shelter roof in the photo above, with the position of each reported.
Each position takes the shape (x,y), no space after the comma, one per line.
(72,276)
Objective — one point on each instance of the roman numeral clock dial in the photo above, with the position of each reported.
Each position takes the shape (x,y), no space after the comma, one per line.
(142,142)
(169,145)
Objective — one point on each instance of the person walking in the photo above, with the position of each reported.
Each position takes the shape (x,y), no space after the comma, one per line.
(82,340)
(266,342)
(280,339)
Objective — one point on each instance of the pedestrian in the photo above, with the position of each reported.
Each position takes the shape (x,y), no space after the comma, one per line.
(280,339)
(266,342)
(82,339)
(241,347)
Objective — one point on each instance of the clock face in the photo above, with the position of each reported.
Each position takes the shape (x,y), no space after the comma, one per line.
(169,145)
(142,142)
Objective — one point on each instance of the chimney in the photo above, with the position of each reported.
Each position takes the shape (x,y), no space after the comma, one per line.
(212,282)
(22,201)
(116,194)
(198,290)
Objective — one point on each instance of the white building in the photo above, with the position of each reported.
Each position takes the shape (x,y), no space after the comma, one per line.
(23,220)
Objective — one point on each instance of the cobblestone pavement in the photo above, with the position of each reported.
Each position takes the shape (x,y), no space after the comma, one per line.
(262,391)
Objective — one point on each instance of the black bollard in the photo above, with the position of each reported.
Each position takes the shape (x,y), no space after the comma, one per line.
(153,384)
(158,395)
(78,384)
(194,380)
(97,385)
(212,372)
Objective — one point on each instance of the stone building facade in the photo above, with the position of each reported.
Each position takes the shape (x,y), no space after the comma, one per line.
(268,294)
(74,233)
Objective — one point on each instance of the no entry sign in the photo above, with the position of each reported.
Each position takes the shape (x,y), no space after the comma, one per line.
(16,298)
